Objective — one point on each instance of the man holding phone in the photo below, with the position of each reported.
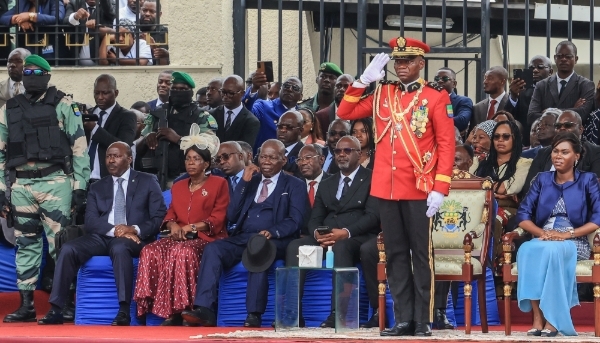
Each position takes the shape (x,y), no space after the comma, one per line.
(343,216)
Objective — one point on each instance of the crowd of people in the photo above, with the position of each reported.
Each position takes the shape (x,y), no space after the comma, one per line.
(88,32)
(253,170)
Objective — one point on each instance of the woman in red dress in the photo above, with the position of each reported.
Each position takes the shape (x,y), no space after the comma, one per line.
(168,268)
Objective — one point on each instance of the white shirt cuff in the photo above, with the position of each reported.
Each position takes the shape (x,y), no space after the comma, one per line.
(137,229)
(72,20)
(357,84)
(111,233)
(349,235)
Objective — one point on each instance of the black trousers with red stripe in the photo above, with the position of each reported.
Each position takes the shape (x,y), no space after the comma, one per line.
(408,247)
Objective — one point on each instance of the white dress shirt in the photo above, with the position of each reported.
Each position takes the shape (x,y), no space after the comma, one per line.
(338,195)
(235,111)
(111,215)
(12,88)
(558,79)
(96,167)
(270,187)
(289,148)
(145,51)
(498,100)
(126,12)
(316,186)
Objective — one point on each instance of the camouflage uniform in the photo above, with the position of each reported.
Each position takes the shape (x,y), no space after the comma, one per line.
(312,103)
(49,197)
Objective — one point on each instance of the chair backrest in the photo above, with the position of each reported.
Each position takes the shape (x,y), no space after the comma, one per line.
(467,210)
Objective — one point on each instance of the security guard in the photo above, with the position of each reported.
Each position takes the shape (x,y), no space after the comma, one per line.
(328,74)
(181,113)
(414,136)
(42,148)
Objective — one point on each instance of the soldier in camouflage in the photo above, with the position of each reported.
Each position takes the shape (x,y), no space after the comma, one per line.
(181,113)
(42,149)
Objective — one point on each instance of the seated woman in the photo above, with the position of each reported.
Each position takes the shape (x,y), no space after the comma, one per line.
(362,129)
(508,171)
(168,268)
(480,140)
(311,131)
(130,49)
(561,208)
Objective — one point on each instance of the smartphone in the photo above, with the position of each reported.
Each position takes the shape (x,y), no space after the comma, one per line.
(323,230)
(525,75)
(90,117)
(266,67)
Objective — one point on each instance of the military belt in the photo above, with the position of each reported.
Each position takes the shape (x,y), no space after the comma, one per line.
(36,174)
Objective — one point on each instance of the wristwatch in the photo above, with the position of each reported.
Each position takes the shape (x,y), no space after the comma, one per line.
(572,231)
(31,16)
(193,226)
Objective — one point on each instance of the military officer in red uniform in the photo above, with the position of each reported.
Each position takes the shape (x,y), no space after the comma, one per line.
(414,136)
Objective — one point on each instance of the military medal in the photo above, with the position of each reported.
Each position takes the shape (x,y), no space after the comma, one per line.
(398,127)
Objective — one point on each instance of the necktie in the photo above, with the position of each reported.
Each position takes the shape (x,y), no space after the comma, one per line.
(17,88)
(563,84)
(492,109)
(264,192)
(228,121)
(94,145)
(119,206)
(346,186)
(91,11)
(234,182)
(311,193)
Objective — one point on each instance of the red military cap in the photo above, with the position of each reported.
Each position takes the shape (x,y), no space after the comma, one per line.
(403,47)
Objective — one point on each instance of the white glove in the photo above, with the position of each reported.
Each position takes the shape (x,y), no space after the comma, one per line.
(374,71)
(434,201)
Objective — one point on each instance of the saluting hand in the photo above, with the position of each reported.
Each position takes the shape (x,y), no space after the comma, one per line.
(375,70)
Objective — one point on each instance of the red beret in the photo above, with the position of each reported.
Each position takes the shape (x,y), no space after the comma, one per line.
(403,47)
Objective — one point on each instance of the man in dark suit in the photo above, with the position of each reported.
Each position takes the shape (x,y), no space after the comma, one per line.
(462,106)
(272,204)
(162,89)
(520,97)
(344,205)
(328,114)
(236,123)
(115,124)
(337,129)
(564,90)
(124,212)
(545,131)
(310,162)
(568,121)
(87,16)
(289,130)
(494,83)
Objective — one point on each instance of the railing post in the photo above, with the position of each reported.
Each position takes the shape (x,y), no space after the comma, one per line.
(361,31)
(239,38)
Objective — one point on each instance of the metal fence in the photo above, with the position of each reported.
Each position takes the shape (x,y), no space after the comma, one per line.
(463,32)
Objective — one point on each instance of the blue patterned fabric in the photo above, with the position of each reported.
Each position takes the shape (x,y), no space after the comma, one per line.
(561,223)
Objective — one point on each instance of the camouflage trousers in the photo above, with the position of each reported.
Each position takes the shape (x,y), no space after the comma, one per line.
(44,202)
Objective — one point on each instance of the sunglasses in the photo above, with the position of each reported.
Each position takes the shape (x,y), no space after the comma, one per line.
(443,78)
(337,133)
(561,56)
(228,93)
(286,127)
(504,136)
(224,157)
(347,151)
(293,87)
(36,72)
(567,125)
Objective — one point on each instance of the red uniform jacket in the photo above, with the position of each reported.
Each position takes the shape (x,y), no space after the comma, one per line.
(394,175)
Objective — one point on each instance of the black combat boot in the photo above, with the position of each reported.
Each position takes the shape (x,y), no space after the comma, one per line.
(25,313)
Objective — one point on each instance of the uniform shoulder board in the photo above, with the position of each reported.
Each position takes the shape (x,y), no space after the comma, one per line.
(388,82)
(435,86)
(366,94)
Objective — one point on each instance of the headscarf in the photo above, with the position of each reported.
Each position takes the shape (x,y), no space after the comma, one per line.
(487,127)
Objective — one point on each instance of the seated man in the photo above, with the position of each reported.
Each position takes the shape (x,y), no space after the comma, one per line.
(344,205)
(128,47)
(289,129)
(124,212)
(310,162)
(272,204)
(337,129)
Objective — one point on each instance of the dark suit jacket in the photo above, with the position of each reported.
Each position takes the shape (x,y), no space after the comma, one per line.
(325,116)
(333,167)
(545,95)
(463,111)
(244,128)
(121,125)
(152,104)
(104,16)
(480,110)
(291,203)
(309,209)
(541,163)
(356,211)
(144,202)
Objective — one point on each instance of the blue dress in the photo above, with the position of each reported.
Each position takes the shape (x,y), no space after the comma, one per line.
(547,272)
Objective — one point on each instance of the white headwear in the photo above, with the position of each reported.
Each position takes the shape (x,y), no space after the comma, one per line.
(202,141)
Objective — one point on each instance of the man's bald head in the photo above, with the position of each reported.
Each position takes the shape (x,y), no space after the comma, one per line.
(235,80)
(235,146)
(124,147)
(274,144)
(352,140)
(499,70)
(569,121)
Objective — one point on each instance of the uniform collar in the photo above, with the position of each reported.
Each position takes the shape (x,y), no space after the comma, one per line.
(411,87)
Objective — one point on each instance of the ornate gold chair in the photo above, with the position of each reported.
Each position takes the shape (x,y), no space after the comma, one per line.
(460,232)
(587,271)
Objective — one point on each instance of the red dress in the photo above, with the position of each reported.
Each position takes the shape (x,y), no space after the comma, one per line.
(168,269)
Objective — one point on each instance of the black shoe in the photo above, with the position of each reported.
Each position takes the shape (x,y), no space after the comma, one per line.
(400,329)
(26,312)
(122,319)
(68,313)
(373,322)
(253,320)
(174,320)
(200,315)
(441,321)
(188,324)
(329,322)
(422,329)
(51,318)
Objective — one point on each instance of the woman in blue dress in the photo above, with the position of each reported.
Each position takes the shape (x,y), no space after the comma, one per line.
(561,208)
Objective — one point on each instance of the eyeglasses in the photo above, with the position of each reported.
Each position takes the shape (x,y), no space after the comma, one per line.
(443,78)
(337,133)
(268,158)
(36,72)
(193,159)
(228,93)
(347,151)
(224,157)
(286,127)
(291,86)
(301,160)
(504,136)
(538,67)
(567,125)
(561,56)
